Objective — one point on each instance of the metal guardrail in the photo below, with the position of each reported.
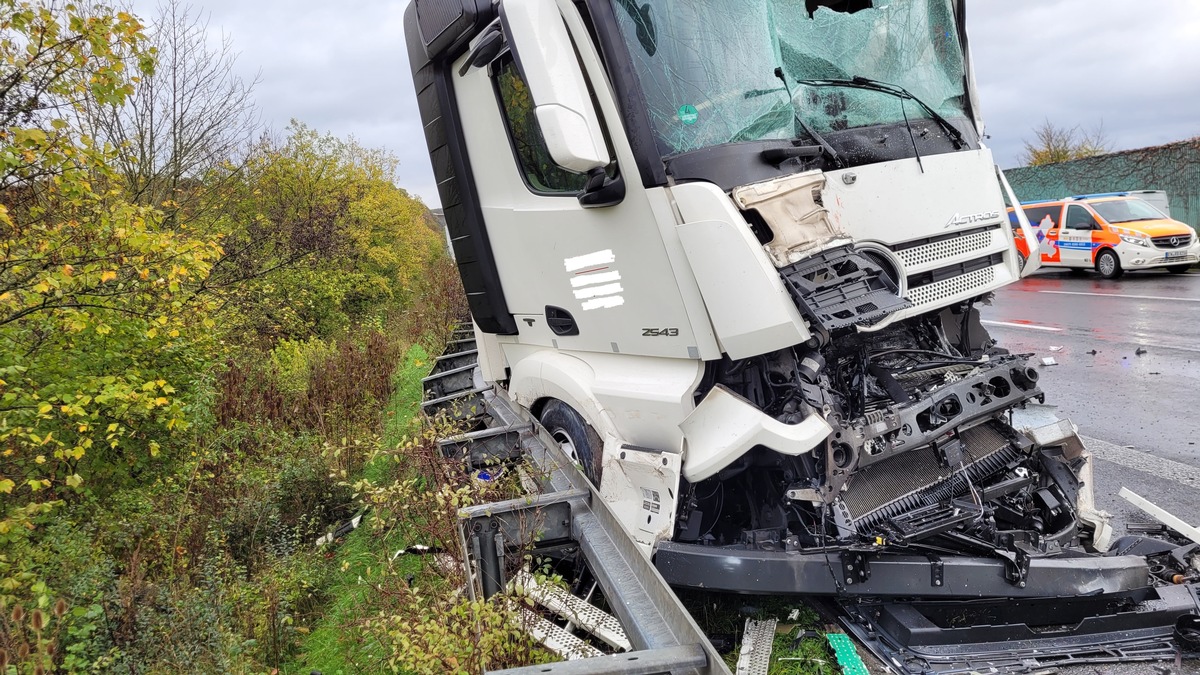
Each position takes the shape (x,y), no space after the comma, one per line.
(663,636)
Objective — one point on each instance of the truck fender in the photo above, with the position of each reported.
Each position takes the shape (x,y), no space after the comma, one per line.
(546,375)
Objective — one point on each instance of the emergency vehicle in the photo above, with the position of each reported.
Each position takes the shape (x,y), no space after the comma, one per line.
(1110,233)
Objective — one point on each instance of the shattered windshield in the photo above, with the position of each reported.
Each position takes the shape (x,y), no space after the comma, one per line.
(708,67)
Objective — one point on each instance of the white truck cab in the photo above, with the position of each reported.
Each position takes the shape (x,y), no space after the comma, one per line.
(682,225)
(729,253)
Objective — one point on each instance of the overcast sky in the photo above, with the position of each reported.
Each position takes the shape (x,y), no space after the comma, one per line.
(341,67)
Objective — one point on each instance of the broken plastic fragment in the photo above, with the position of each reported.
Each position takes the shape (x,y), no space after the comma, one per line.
(1049,361)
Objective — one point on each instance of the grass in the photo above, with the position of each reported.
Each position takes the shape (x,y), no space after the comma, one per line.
(722,617)
(325,649)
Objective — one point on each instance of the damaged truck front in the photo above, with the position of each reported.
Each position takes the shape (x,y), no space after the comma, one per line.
(731,253)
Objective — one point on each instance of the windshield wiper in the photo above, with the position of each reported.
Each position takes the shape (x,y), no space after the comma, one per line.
(825,146)
(899,92)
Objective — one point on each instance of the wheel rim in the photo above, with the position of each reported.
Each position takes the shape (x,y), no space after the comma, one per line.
(567,444)
(1107,264)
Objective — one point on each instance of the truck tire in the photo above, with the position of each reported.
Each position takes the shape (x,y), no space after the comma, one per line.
(579,440)
(1108,264)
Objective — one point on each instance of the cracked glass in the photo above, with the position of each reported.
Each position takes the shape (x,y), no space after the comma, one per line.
(708,67)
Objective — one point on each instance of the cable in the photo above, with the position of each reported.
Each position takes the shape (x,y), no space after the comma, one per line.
(824,552)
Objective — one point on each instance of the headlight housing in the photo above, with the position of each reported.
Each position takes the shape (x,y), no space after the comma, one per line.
(1136,241)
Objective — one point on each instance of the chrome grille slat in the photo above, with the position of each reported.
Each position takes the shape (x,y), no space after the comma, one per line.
(942,250)
(939,290)
(1181,241)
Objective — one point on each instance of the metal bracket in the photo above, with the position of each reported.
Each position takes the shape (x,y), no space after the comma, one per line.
(937,570)
(855,566)
(1016,567)
(494,528)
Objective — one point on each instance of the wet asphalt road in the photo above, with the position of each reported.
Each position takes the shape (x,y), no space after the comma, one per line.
(1143,410)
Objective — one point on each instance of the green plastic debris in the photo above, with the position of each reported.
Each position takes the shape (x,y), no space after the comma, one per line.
(847,655)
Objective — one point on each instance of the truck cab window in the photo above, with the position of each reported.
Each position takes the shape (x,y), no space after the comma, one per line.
(541,174)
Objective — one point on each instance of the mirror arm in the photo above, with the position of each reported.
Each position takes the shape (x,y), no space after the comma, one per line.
(487,48)
(601,191)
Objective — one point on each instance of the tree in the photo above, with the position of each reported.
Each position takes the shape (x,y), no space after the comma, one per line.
(317,238)
(188,118)
(1053,144)
(98,332)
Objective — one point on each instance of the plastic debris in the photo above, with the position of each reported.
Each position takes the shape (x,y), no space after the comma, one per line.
(847,655)
(1049,361)
(1141,350)
(1056,348)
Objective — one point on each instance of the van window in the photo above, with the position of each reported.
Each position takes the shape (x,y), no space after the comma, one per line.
(541,173)
(1036,214)
(1127,211)
(1078,218)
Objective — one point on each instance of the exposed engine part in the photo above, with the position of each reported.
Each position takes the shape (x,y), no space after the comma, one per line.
(918,449)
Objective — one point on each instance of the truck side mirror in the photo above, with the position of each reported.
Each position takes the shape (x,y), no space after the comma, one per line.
(545,56)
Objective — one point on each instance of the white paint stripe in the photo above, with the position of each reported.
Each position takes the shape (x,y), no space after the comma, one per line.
(595,278)
(597,259)
(1021,325)
(611,289)
(1158,467)
(604,303)
(1122,295)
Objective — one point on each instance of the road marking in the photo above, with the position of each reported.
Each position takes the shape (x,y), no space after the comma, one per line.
(1122,295)
(1030,326)
(1143,461)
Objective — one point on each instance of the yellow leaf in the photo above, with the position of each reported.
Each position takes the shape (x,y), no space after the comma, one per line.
(68,270)
(74,480)
(154,449)
(162,320)
(45,408)
(161,401)
(107,276)
(40,459)
(41,287)
(6,486)
(112,427)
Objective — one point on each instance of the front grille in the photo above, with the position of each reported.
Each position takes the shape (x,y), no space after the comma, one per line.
(1173,241)
(942,249)
(940,290)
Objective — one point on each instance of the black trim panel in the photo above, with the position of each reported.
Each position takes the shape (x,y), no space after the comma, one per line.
(456,184)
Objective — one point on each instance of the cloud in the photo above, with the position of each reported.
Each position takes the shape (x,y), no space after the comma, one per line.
(343,68)
(1131,66)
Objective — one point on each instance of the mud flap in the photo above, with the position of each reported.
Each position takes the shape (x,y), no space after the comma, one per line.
(641,486)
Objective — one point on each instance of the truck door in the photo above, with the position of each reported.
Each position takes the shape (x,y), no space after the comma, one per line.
(575,278)
(1075,237)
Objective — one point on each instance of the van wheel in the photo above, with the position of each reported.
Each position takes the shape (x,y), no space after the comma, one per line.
(578,439)
(1179,269)
(1108,264)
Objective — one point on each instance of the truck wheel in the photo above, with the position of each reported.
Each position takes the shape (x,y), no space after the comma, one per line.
(1108,264)
(1179,269)
(578,439)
